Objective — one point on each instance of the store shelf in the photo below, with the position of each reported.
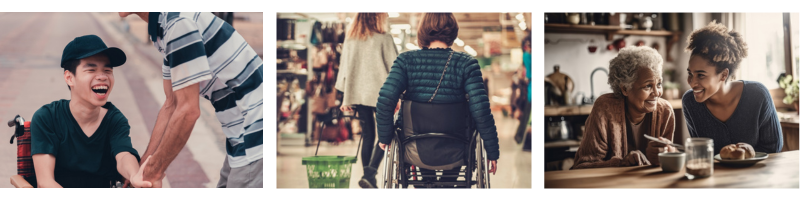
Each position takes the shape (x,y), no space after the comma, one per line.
(290,71)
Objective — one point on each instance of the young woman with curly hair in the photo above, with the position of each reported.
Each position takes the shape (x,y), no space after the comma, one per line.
(716,107)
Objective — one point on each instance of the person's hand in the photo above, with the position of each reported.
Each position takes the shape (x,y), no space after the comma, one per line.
(384,146)
(654,148)
(137,180)
(157,184)
(148,173)
(636,158)
(493,166)
(346,109)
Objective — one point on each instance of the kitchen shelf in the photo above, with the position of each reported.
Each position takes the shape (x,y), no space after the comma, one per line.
(577,110)
(610,31)
(562,144)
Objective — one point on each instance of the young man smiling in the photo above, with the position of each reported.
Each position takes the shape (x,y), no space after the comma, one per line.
(84,141)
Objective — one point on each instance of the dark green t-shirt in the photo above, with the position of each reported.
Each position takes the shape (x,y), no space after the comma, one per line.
(81,161)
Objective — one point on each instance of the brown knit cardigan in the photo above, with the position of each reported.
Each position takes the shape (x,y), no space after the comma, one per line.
(604,142)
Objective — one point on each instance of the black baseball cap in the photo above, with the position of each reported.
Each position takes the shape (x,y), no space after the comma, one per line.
(89,45)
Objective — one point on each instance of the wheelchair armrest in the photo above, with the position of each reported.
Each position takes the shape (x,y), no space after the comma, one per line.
(19,182)
(433,135)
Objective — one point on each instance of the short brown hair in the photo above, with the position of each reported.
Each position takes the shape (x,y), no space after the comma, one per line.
(722,48)
(71,66)
(367,23)
(437,26)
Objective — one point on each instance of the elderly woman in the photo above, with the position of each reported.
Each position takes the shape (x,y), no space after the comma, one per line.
(616,127)
(716,107)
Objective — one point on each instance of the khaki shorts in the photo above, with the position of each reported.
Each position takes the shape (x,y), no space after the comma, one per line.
(248,176)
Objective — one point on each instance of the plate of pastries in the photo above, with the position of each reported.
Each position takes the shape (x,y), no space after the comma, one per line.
(740,154)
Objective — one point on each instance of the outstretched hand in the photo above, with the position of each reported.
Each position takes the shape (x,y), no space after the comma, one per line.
(138,179)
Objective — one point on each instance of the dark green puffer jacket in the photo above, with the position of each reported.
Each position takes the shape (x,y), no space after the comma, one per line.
(418,72)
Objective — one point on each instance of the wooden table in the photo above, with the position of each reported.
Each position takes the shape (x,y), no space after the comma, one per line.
(780,170)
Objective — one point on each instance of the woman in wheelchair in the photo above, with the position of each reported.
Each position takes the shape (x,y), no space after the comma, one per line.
(84,141)
(444,101)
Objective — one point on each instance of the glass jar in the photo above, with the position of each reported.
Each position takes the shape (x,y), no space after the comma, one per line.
(699,157)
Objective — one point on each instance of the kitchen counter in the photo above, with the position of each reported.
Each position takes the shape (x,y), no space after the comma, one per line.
(779,170)
(550,111)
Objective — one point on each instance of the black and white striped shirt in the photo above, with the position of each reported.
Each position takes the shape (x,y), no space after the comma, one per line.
(201,48)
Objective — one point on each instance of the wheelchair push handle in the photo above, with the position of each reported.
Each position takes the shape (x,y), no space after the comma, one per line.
(19,123)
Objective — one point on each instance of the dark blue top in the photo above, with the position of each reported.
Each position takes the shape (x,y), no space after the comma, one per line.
(754,121)
(418,73)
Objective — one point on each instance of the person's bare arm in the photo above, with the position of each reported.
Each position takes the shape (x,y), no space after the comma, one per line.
(162,120)
(181,123)
(128,167)
(44,165)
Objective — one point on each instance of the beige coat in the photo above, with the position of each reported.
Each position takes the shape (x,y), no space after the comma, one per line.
(604,142)
(363,68)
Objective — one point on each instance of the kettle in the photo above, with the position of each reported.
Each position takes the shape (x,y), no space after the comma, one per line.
(558,129)
(559,86)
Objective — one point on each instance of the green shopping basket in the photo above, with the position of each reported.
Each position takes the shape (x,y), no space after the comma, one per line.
(329,171)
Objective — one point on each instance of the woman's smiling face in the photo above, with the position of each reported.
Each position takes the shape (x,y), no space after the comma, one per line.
(643,94)
(704,79)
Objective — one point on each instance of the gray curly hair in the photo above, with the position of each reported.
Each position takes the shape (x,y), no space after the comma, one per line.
(623,68)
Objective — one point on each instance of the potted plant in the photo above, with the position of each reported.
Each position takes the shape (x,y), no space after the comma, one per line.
(671,91)
(789,84)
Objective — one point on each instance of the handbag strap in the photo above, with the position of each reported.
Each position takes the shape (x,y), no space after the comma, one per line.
(441,78)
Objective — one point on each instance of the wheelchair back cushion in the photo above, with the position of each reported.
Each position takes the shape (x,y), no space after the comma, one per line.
(24,161)
(435,153)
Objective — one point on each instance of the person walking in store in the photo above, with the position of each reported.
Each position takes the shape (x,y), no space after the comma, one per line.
(418,72)
(204,56)
(526,110)
(367,57)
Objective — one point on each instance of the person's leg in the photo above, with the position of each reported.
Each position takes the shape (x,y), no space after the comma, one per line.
(377,153)
(523,123)
(248,176)
(367,132)
(223,174)
(370,156)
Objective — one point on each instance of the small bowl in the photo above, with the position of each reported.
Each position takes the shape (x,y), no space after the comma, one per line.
(672,161)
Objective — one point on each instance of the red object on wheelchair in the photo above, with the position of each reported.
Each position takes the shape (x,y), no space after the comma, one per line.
(22,131)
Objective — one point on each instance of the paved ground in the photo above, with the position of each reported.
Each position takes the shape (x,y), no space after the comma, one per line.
(30,52)
(514,165)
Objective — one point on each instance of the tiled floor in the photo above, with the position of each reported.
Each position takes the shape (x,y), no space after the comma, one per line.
(514,165)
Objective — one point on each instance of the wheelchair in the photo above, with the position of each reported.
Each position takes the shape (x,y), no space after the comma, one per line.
(26,176)
(442,135)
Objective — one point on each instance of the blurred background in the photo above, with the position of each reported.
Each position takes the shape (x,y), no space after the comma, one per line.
(30,77)
(580,45)
(304,40)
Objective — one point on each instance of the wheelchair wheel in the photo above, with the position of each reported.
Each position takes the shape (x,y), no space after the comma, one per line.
(391,169)
(482,171)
